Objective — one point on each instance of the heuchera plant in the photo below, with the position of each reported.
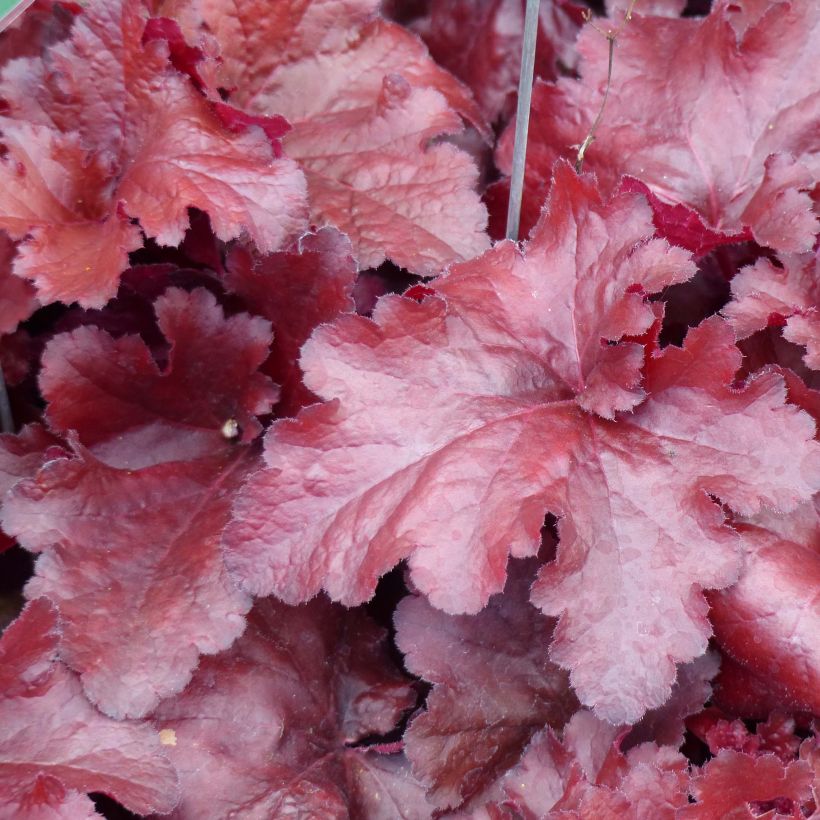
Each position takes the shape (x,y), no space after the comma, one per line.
(321,500)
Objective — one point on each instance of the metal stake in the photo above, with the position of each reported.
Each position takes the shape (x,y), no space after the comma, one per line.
(522,118)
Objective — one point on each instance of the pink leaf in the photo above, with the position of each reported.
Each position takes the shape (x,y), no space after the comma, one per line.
(132,558)
(585,775)
(364,114)
(452,426)
(54,745)
(764,294)
(737,145)
(21,456)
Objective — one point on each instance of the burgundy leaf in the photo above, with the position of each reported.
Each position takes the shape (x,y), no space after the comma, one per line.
(132,413)
(770,619)
(296,290)
(264,729)
(494,687)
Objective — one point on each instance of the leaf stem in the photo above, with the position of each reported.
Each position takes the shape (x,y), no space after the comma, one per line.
(522,119)
(579,160)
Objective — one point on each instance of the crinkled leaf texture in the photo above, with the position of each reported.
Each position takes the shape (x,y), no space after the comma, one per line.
(585,775)
(132,559)
(296,290)
(733,780)
(765,294)
(105,131)
(133,413)
(264,729)
(720,121)
(365,101)
(55,746)
(450,427)
(494,687)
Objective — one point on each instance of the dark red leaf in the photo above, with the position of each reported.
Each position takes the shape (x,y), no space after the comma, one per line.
(494,688)
(296,290)
(132,413)
(45,22)
(770,619)
(264,729)
(481,44)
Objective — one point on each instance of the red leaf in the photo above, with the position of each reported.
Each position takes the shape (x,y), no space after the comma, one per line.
(585,775)
(770,619)
(382,787)
(732,780)
(481,44)
(494,688)
(51,191)
(775,736)
(764,294)
(54,745)
(17,299)
(149,147)
(45,22)
(718,122)
(133,414)
(740,692)
(363,117)
(460,478)
(681,225)
(264,728)
(21,456)
(132,558)
(296,290)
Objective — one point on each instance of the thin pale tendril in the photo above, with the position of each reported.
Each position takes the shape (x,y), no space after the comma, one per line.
(579,160)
